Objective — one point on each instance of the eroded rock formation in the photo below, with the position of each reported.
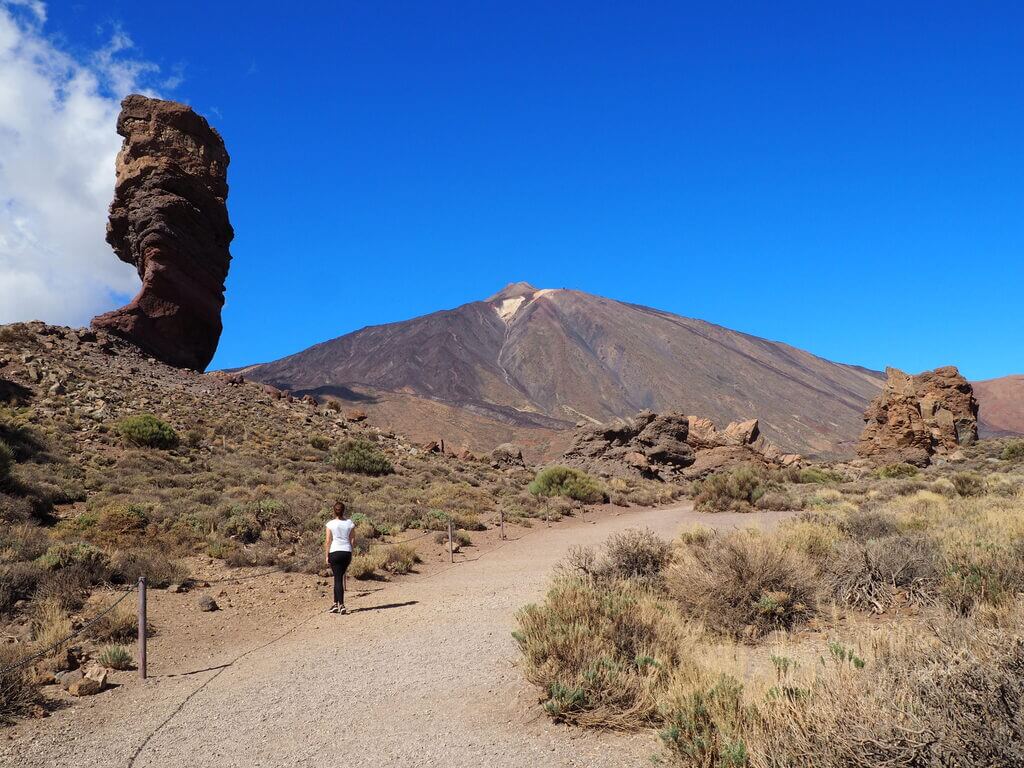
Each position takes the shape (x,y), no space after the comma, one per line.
(918,417)
(169,219)
(670,446)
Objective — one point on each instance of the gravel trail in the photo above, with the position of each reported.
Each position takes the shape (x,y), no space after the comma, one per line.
(422,673)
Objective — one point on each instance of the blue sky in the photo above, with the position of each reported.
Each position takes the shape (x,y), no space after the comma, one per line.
(849,180)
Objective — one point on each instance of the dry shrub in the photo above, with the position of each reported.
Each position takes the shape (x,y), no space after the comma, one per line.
(872,574)
(968,484)
(601,652)
(949,697)
(366,565)
(120,625)
(399,558)
(18,582)
(921,510)
(50,624)
(735,490)
(743,584)
(778,500)
(636,554)
(18,695)
(22,541)
(980,571)
(160,571)
(870,524)
(814,535)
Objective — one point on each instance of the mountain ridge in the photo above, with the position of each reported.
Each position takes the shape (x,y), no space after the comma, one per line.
(540,360)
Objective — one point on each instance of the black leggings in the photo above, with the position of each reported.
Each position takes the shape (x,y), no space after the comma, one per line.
(339,564)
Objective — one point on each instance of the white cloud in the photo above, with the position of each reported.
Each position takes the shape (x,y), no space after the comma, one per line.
(57,150)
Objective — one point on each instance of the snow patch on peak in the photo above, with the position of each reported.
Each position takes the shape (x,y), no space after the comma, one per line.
(507,308)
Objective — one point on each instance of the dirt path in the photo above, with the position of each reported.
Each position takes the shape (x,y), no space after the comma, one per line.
(421,674)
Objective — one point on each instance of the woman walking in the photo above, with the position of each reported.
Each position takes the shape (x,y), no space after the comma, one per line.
(338,543)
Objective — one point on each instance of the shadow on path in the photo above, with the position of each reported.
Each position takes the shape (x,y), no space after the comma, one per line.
(384,607)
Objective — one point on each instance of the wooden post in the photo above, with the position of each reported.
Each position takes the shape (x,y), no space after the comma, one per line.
(502,513)
(451,542)
(142,627)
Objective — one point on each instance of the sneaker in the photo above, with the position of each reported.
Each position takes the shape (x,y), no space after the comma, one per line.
(343,610)
(335,609)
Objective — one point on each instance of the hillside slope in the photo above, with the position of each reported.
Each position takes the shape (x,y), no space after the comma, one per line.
(542,360)
(1001,405)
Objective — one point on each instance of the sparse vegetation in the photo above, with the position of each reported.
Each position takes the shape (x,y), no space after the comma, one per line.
(893,471)
(770,659)
(117,626)
(1013,451)
(742,584)
(18,693)
(147,431)
(363,457)
(115,657)
(6,462)
(737,490)
(569,482)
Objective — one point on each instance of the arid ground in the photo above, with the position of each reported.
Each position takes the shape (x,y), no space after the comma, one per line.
(423,672)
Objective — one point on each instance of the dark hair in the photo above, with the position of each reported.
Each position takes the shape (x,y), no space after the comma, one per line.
(339,508)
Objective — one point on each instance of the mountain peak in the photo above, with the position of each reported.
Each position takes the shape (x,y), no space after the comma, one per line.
(513,291)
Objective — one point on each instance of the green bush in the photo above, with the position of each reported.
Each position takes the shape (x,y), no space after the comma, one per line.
(892,471)
(737,489)
(147,431)
(1013,451)
(6,461)
(115,657)
(363,457)
(569,482)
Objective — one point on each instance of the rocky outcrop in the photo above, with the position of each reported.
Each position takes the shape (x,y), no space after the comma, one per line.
(918,417)
(169,219)
(670,446)
(507,456)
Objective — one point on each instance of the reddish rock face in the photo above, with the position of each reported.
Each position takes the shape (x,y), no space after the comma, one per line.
(917,417)
(670,446)
(169,219)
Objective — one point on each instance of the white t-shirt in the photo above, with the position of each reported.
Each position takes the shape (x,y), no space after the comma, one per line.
(340,530)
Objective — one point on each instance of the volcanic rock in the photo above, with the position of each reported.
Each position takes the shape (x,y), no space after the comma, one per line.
(169,219)
(507,456)
(918,417)
(670,446)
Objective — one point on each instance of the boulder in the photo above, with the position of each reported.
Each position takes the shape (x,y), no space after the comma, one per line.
(507,456)
(169,219)
(741,432)
(915,418)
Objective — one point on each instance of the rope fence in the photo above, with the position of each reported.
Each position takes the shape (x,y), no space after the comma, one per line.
(64,641)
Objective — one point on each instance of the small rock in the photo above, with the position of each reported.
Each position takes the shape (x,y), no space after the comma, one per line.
(67,679)
(92,682)
(207,603)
